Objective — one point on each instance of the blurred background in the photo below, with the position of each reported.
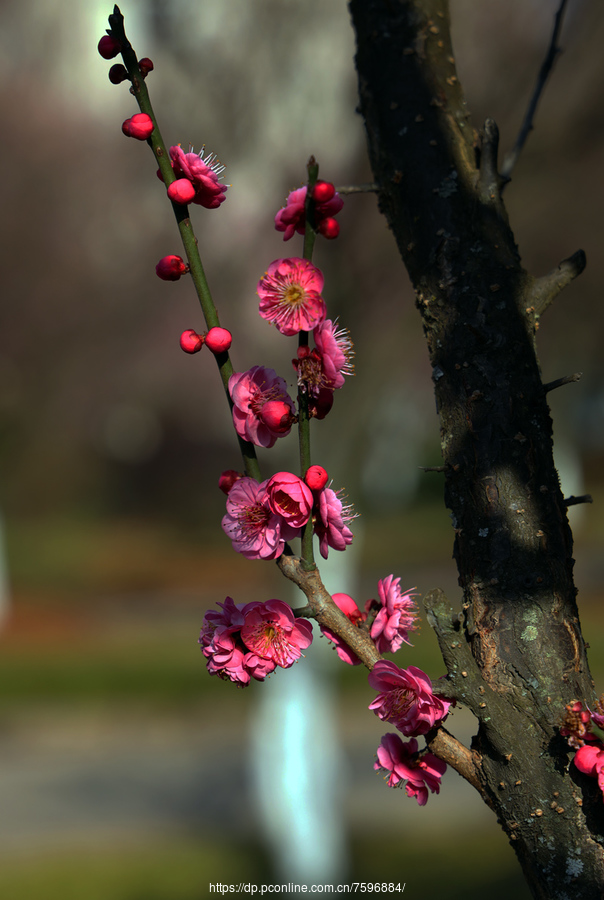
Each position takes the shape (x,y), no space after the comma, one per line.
(126,772)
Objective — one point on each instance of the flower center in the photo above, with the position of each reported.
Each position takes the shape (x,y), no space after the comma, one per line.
(294,295)
(399,702)
(254,518)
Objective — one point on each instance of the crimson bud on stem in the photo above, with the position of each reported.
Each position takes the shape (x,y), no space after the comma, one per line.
(218,339)
(329,228)
(316,478)
(190,341)
(118,73)
(170,268)
(139,126)
(145,65)
(181,191)
(228,479)
(323,191)
(109,46)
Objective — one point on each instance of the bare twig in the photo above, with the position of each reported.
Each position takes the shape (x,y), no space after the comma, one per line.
(546,67)
(547,288)
(560,382)
(574,501)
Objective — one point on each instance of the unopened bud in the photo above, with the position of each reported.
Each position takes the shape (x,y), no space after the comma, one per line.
(170,268)
(118,73)
(218,339)
(228,479)
(277,415)
(109,46)
(329,228)
(316,478)
(190,341)
(145,65)
(181,191)
(139,126)
(323,191)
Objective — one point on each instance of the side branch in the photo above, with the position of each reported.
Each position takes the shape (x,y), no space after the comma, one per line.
(547,288)
(325,611)
(465,762)
(544,72)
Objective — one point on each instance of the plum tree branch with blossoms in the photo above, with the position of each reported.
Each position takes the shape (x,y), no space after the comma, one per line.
(249,641)
(514,653)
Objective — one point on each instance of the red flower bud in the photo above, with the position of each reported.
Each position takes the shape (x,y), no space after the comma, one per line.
(145,65)
(181,191)
(170,268)
(190,341)
(277,415)
(118,73)
(218,339)
(323,191)
(228,479)
(316,478)
(329,228)
(109,46)
(139,126)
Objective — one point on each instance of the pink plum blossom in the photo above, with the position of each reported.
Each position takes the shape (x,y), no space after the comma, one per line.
(272,632)
(290,295)
(402,761)
(251,392)
(354,615)
(292,217)
(396,618)
(204,175)
(589,759)
(335,350)
(330,522)
(220,643)
(290,498)
(250,640)
(255,530)
(405,698)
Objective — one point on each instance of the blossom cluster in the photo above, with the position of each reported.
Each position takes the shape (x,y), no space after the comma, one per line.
(241,642)
(245,641)
(402,763)
(578,729)
(396,617)
(261,517)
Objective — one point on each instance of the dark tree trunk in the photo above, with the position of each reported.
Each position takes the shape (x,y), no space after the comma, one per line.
(515,654)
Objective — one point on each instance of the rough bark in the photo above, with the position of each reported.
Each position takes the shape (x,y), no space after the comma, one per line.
(515,654)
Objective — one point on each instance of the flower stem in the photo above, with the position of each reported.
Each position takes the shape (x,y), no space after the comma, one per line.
(308,559)
(181,213)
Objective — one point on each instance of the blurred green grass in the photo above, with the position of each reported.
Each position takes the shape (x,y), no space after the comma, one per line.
(183,869)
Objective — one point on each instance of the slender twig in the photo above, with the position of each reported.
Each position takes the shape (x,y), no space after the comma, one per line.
(574,501)
(310,234)
(546,67)
(560,382)
(185,227)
